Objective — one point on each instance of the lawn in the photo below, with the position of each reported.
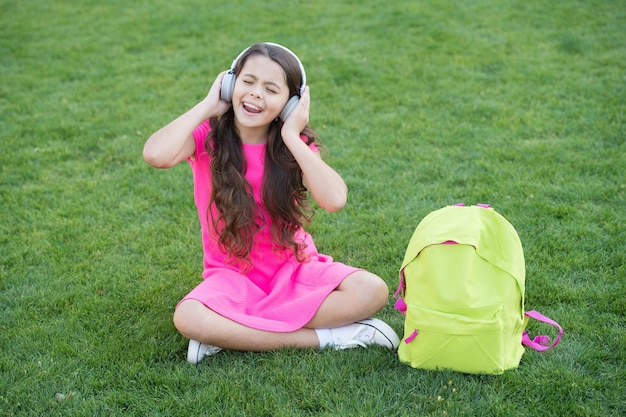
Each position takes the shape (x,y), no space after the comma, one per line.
(519,104)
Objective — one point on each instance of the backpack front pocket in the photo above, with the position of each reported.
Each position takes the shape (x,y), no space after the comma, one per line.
(466,340)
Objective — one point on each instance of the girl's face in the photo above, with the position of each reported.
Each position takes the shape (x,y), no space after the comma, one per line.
(260,93)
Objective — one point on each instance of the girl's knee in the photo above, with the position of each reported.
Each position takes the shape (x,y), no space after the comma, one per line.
(374,291)
(381,293)
(186,317)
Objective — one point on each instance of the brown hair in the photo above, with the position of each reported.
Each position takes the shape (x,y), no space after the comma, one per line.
(283,192)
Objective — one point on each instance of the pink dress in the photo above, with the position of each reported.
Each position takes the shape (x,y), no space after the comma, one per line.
(279,293)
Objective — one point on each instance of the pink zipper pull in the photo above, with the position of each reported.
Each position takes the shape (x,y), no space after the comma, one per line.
(412,336)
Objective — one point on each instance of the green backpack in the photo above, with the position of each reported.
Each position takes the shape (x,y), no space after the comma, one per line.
(462,285)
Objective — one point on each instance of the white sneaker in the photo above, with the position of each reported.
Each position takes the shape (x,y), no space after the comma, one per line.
(197,351)
(364,333)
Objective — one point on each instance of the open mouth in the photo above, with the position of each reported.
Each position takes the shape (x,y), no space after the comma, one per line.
(251,108)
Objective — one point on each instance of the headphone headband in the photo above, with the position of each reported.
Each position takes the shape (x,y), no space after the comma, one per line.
(302,72)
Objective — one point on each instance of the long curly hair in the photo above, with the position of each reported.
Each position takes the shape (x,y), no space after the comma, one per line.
(283,192)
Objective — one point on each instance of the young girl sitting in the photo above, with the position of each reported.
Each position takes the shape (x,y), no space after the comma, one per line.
(255,160)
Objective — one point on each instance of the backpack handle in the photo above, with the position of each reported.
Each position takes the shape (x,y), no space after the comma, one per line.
(541,343)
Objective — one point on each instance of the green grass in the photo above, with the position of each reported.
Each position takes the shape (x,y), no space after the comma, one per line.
(520,104)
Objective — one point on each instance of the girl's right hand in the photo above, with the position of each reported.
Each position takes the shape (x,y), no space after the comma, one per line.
(215,105)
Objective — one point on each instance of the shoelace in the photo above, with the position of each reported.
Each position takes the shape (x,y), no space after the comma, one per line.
(211,349)
(201,352)
(351,341)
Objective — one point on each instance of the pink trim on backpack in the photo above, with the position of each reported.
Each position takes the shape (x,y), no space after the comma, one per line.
(412,336)
(541,342)
(477,205)
(400,286)
(400,305)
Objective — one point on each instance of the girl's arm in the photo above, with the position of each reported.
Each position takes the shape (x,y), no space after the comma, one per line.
(325,185)
(174,142)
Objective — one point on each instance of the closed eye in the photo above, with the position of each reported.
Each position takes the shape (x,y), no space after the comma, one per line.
(270,86)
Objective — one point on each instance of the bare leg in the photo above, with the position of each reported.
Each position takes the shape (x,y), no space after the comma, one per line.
(359,296)
(195,321)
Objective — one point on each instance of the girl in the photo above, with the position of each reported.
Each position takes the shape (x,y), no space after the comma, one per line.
(255,160)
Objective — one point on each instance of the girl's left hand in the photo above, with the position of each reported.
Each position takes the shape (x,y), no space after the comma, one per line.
(299,117)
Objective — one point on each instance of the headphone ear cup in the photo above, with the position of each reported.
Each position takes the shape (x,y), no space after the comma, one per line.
(228,86)
(289,107)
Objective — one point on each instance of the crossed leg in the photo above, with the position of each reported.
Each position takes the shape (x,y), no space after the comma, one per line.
(359,296)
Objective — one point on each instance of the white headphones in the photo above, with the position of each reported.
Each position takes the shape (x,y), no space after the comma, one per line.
(228,83)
